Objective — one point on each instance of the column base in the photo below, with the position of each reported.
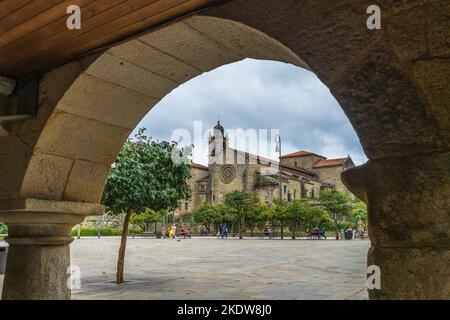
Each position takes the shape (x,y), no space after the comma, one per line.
(39,234)
(411,274)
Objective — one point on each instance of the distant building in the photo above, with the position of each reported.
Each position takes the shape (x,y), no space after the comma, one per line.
(302,174)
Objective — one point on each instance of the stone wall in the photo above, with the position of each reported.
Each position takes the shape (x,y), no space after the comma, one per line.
(306,162)
(332,175)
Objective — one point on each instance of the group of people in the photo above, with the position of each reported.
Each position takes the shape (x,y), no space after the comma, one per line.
(171,232)
(318,233)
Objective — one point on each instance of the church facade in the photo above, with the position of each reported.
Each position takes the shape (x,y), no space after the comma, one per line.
(302,175)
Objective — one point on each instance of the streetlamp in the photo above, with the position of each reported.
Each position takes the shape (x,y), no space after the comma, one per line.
(278,149)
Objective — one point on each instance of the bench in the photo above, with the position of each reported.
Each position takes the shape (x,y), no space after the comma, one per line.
(148,235)
(264,234)
(316,235)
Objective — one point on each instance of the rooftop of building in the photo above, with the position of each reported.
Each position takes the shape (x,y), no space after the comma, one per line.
(302,153)
(330,163)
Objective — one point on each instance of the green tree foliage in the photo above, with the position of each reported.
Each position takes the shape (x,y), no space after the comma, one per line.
(205,215)
(359,211)
(143,176)
(241,204)
(281,215)
(3,229)
(298,212)
(317,217)
(146,218)
(338,204)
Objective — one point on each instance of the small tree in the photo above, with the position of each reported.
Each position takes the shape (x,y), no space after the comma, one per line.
(206,214)
(317,217)
(338,204)
(281,214)
(241,204)
(146,218)
(298,212)
(359,213)
(144,175)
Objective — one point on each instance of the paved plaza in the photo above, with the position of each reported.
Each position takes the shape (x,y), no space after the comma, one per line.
(206,268)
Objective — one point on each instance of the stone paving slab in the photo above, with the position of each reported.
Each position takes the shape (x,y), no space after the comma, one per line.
(207,268)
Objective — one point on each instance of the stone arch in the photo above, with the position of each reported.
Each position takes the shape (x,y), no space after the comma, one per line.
(109,97)
(393,84)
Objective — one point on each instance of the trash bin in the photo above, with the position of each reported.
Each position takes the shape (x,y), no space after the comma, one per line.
(3,256)
(158,235)
(348,235)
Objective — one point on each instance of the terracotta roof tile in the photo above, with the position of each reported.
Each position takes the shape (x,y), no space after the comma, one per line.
(329,163)
(302,153)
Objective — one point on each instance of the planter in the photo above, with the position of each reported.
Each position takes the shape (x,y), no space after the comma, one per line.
(3,256)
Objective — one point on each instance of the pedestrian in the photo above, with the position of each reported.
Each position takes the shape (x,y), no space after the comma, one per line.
(224,230)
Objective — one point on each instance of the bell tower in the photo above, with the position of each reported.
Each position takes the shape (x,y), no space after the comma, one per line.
(217,145)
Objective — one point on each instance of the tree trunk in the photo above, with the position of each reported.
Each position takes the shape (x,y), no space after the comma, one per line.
(294,233)
(282,229)
(123,245)
(240,228)
(251,232)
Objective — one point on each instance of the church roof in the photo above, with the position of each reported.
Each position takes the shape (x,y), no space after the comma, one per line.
(303,170)
(199,166)
(268,161)
(301,153)
(329,163)
(204,179)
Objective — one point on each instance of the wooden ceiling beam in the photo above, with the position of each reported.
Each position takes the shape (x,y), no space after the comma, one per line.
(36,42)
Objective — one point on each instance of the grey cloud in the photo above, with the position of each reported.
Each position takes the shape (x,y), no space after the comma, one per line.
(260,94)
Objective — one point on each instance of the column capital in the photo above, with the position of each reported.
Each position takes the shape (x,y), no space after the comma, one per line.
(43,222)
(408,199)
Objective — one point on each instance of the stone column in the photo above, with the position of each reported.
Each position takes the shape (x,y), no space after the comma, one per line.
(409,223)
(39,234)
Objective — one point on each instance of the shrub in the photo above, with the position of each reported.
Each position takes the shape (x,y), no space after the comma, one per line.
(3,229)
(92,232)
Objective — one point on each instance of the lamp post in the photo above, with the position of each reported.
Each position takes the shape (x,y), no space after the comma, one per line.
(278,149)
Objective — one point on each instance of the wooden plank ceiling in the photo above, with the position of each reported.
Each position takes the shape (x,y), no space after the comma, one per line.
(34,36)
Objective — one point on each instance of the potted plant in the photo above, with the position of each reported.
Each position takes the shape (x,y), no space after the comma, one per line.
(3,248)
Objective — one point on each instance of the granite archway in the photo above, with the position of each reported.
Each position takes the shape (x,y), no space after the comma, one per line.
(392,85)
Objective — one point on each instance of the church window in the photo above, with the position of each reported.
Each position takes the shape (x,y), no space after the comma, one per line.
(285,189)
(186,206)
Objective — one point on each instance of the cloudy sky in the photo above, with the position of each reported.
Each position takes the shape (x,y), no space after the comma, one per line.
(253,94)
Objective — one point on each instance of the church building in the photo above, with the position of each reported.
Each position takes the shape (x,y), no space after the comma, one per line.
(301,174)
